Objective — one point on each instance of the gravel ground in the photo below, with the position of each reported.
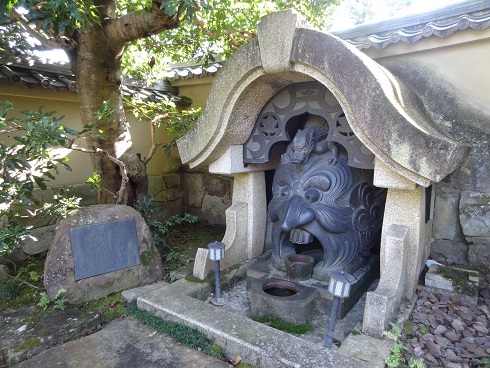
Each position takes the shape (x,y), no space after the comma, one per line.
(445,330)
(456,332)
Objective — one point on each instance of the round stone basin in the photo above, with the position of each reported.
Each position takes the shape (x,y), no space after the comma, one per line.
(280,288)
(286,300)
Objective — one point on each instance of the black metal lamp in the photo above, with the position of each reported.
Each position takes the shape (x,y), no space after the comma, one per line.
(339,287)
(216,254)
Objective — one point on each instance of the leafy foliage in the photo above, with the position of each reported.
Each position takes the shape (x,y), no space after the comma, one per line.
(146,206)
(172,261)
(9,290)
(28,162)
(54,303)
(165,113)
(211,31)
(159,31)
(62,17)
(396,359)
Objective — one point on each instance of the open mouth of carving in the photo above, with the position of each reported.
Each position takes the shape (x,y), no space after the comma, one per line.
(300,236)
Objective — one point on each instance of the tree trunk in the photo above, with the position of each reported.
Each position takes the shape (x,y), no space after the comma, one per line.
(97,67)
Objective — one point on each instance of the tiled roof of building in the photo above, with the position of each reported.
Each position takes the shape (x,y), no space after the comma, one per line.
(35,72)
(442,22)
(187,72)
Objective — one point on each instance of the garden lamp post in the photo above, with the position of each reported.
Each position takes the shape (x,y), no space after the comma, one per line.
(216,254)
(339,287)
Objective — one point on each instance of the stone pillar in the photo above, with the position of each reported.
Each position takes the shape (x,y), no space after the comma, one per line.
(404,231)
(382,303)
(245,224)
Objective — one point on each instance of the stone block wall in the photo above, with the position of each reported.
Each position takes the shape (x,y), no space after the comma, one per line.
(206,195)
(168,194)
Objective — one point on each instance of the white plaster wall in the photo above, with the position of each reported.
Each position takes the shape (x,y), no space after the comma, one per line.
(66,103)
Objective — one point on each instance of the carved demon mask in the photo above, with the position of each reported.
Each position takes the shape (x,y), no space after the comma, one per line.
(321,199)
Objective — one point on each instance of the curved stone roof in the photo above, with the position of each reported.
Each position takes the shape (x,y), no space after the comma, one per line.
(385,115)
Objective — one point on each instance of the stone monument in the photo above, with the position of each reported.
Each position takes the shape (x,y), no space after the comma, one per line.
(99,250)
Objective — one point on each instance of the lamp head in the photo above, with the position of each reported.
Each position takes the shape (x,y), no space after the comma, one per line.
(340,283)
(216,251)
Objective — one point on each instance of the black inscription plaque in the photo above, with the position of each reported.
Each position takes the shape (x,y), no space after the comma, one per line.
(105,247)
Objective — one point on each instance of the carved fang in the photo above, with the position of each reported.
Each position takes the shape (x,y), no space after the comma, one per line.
(300,236)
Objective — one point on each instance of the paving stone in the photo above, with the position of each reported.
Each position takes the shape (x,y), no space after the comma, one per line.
(442,341)
(480,351)
(457,324)
(453,365)
(452,356)
(418,351)
(455,298)
(481,328)
(434,349)
(471,347)
(467,316)
(481,340)
(431,359)
(439,330)
(452,336)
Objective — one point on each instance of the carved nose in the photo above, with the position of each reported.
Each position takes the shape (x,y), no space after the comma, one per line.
(298,214)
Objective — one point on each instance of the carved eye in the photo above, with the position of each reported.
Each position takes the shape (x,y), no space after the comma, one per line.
(312,195)
(317,182)
(285,193)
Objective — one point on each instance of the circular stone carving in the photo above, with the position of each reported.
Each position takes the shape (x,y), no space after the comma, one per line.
(395,37)
(269,125)
(463,23)
(427,31)
(366,43)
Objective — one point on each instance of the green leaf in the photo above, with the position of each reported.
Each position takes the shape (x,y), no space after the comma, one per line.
(40,183)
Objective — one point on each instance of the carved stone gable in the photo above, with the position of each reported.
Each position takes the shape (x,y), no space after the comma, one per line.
(271,126)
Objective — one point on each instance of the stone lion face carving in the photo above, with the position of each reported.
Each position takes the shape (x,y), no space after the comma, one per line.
(324,199)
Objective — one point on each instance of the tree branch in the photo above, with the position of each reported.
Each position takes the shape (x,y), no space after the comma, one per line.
(133,26)
(49,42)
(154,144)
(122,167)
(21,281)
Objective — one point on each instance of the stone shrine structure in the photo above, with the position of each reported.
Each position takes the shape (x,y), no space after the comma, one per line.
(394,136)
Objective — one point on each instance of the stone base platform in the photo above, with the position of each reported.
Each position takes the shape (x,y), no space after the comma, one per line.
(257,344)
(364,278)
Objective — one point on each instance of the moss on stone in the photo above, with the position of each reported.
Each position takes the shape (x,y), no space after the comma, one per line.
(147,256)
(27,296)
(281,325)
(460,280)
(33,319)
(27,344)
(407,328)
(109,307)
(192,278)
